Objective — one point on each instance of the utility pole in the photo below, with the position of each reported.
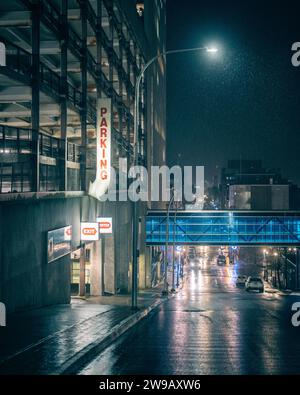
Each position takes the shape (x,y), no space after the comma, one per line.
(166,290)
(174,245)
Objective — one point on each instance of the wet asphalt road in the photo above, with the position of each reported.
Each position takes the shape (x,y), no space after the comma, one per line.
(210,327)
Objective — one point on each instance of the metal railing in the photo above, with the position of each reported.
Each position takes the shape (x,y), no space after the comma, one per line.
(50,78)
(15,140)
(73,152)
(51,147)
(18,150)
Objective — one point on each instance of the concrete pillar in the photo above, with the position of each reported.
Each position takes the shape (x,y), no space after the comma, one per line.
(123,256)
(35,88)
(148,264)
(96,269)
(144,259)
(63,91)
(158,271)
(109,266)
(82,271)
(83,115)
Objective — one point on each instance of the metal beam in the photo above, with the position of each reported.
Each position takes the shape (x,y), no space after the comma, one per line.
(15,94)
(15,19)
(83,8)
(63,90)
(35,108)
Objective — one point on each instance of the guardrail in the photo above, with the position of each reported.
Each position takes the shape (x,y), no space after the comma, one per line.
(74,152)
(18,149)
(15,140)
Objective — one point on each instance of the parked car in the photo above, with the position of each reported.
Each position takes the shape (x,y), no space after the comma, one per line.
(254,284)
(221,260)
(241,280)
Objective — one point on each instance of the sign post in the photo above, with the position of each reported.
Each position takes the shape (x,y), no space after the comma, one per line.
(82,270)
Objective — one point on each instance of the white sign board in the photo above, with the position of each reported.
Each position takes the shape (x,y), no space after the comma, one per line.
(59,243)
(89,231)
(105,225)
(68,233)
(101,183)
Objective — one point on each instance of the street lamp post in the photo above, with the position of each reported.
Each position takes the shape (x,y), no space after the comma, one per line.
(165,289)
(178,267)
(135,252)
(297,261)
(174,244)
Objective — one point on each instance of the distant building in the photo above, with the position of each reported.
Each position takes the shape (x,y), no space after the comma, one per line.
(246,185)
(259,197)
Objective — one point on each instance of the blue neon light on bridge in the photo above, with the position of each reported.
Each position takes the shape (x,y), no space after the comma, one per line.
(224,227)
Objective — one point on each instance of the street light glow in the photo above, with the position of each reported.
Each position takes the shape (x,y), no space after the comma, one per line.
(211,49)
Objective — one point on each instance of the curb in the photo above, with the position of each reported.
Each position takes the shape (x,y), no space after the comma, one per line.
(84,356)
(45,339)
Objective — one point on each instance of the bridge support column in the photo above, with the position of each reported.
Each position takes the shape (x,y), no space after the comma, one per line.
(298,269)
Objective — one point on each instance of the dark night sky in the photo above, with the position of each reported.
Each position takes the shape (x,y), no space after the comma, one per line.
(244,102)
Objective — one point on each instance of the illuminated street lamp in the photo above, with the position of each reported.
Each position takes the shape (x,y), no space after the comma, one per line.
(212,49)
(135,227)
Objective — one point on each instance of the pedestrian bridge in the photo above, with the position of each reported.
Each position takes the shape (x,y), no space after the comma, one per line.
(248,228)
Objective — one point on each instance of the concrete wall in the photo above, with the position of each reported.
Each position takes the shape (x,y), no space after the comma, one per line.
(259,197)
(280,197)
(240,197)
(27,280)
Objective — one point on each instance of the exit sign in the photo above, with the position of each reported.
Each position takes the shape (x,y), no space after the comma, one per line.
(89,231)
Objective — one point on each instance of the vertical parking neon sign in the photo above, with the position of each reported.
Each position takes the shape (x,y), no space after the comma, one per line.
(103,172)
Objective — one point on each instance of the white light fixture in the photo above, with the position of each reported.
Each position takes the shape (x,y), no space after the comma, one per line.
(211,49)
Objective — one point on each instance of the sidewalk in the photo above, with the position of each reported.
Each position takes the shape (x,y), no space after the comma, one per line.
(52,340)
(282,292)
